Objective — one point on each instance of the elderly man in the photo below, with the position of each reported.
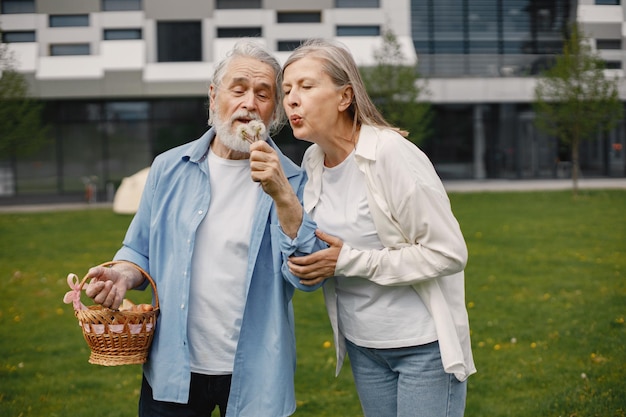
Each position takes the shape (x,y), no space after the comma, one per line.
(217,221)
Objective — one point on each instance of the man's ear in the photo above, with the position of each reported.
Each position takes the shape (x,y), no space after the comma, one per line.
(347,96)
(212,96)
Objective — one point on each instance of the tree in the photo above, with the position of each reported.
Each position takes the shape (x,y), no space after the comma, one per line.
(394,87)
(574,99)
(21,128)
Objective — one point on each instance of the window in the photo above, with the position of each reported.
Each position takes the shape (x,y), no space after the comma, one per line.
(288,46)
(608,2)
(608,44)
(179,41)
(549,46)
(68,20)
(447,27)
(126,110)
(242,32)
(613,65)
(70,49)
(340,4)
(358,30)
(18,6)
(19,36)
(482,28)
(299,17)
(119,34)
(238,4)
(488,27)
(116,5)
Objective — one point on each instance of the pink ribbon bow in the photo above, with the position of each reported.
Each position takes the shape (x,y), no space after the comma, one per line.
(73,296)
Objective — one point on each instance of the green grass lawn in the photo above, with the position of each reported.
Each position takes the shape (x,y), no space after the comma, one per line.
(546,293)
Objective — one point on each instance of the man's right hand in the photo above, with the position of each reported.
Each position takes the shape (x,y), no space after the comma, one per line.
(108,286)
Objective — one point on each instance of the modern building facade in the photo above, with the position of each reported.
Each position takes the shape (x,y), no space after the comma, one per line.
(123,80)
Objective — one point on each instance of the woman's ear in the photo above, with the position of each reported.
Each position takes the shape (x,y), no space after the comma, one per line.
(347,95)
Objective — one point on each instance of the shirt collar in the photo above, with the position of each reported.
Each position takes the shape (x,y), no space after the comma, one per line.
(368,140)
(365,148)
(200,148)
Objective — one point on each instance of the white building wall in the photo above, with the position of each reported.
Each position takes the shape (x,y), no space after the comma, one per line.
(171,79)
(482,90)
(600,14)
(125,55)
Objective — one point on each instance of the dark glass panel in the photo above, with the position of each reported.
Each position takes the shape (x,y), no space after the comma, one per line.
(356,3)
(18,6)
(121,34)
(609,44)
(68,20)
(288,46)
(127,110)
(240,32)
(358,30)
(298,17)
(238,4)
(70,49)
(19,36)
(117,5)
(179,41)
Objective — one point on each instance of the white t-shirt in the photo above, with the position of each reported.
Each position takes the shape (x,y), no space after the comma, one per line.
(217,293)
(370,315)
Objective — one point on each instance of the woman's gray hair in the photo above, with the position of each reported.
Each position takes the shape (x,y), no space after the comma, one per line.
(249,48)
(339,65)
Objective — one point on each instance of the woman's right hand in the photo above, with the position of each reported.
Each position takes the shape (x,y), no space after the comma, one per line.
(318,266)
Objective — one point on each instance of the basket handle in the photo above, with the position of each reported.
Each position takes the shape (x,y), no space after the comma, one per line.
(137,267)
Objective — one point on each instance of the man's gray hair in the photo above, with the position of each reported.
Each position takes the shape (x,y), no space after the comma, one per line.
(249,48)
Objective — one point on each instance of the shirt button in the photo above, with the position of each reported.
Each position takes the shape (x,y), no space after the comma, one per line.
(199,211)
(182,306)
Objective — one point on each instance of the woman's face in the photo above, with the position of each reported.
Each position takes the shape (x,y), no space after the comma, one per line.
(312,101)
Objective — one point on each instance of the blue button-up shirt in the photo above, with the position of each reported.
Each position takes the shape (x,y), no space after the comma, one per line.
(161,239)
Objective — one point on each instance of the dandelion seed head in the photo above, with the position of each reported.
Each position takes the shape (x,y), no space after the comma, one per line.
(241,132)
(257,127)
(251,131)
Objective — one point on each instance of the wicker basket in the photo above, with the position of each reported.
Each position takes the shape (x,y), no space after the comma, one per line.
(118,337)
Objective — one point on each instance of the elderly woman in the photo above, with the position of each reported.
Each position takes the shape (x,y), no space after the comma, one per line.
(394,286)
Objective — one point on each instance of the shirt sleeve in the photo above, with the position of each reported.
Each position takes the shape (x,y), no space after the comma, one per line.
(303,244)
(136,244)
(410,203)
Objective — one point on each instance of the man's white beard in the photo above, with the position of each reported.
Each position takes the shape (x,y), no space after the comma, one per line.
(227,134)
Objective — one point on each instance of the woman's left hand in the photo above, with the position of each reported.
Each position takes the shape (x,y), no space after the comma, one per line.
(318,266)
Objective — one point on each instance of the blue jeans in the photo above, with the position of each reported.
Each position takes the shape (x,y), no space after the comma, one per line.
(405,382)
(205,393)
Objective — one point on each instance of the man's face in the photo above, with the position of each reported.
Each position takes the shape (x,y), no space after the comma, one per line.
(247,92)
